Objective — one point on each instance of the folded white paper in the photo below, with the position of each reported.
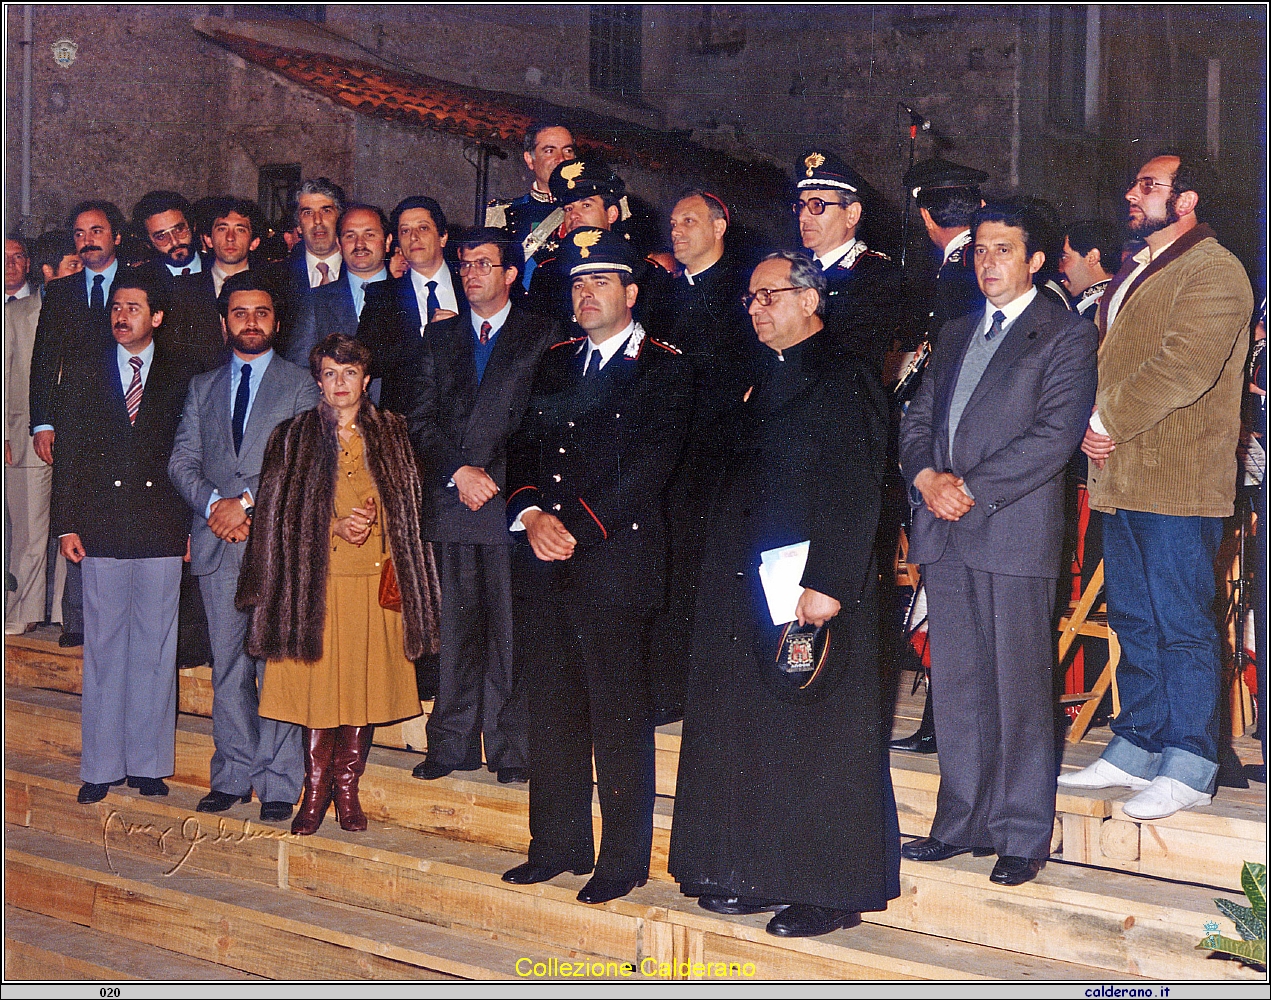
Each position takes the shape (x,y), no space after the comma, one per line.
(780,571)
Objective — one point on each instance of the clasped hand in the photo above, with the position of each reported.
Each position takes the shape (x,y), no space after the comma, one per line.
(229,521)
(475,486)
(356,528)
(944,494)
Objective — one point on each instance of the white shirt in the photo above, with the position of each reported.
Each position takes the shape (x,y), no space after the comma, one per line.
(218,278)
(335,262)
(124,360)
(21,293)
(446,298)
(828,260)
(194,267)
(1011,310)
(496,321)
(609,348)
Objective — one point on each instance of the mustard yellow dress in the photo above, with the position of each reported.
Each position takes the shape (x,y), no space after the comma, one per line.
(363,677)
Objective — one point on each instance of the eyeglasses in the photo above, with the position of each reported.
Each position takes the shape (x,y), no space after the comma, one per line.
(165,236)
(1147,185)
(814,205)
(764,295)
(482,266)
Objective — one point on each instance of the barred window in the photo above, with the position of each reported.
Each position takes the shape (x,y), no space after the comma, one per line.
(276,189)
(615,49)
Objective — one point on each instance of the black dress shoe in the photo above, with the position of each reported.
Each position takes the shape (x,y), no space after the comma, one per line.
(218,802)
(601,890)
(930,849)
(531,873)
(735,906)
(429,771)
(69,639)
(802,920)
(1011,870)
(90,792)
(924,740)
(514,775)
(274,812)
(148,786)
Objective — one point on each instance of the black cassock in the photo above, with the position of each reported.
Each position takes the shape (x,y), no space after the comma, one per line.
(775,800)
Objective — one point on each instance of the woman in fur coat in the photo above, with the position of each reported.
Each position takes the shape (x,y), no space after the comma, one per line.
(339,495)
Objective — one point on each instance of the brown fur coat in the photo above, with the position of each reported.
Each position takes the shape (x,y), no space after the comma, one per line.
(283,582)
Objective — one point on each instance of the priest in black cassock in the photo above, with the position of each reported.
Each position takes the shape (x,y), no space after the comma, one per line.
(784,798)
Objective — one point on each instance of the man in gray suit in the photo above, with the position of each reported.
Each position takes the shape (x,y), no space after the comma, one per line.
(983,445)
(215,465)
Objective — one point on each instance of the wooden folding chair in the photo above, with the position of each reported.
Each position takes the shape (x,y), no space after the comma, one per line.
(1083,619)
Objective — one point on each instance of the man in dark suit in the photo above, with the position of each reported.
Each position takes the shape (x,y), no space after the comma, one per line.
(215,464)
(73,322)
(314,261)
(984,445)
(864,285)
(397,311)
(471,385)
(362,231)
(117,513)
(586,474)
(164,220)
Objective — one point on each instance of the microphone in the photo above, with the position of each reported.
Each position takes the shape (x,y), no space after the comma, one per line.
(915,118)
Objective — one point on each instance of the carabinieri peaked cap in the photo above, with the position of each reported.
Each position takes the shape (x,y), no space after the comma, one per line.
(820,168)
(929,175)
(573,180)
(589,250)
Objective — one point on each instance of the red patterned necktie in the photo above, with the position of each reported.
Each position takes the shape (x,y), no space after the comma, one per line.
(133,396)
(324,269)
(485,332)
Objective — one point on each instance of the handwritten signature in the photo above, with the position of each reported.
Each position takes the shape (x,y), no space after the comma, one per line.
(185,836)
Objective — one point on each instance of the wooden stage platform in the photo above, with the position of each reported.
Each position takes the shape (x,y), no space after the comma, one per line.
(148,888)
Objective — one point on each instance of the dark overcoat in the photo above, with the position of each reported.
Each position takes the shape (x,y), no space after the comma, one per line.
(284,577)
(775,800)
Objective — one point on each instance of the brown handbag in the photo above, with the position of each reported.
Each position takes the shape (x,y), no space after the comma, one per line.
(390,592)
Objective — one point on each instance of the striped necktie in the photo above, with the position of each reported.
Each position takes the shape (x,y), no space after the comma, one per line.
(132,398)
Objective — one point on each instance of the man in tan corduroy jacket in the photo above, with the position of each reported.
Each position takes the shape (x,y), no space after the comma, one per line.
(1162,442)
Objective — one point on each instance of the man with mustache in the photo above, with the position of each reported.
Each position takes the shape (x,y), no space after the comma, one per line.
(164,220)
(1162,449)
(119,517)
(73,322)
(215,465)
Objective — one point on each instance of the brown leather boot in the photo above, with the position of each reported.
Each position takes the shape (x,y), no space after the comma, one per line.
(319,771)
(352,749)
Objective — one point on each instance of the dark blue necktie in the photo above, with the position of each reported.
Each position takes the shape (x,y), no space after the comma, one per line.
(97,298)
(434,303)
(999,318)
(240,405)
(593,365)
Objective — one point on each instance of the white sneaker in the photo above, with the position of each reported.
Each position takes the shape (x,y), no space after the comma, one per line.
(1101,774)
(1164,797)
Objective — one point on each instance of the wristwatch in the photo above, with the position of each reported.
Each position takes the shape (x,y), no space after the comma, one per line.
(250,508)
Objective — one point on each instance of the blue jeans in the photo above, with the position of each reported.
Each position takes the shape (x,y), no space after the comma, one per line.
(1159,572)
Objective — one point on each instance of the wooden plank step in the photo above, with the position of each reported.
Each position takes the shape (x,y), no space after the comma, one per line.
(245,925)
(1071,916)
(437,880)
(37,947)
(1207,846)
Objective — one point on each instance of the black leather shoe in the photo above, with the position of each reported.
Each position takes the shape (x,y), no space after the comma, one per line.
(67,640)
(514,775)
(601,890)
(148,786)
(802,920)
(275,812)
(89,792)
(930,849)
(218,802)
(1011,870)
(531,873)
(735,906)
(924,740)
(429,771)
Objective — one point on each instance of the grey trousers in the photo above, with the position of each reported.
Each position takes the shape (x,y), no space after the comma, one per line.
(992,657)
(476,674)
(27,492)
(251,752)
(128,726)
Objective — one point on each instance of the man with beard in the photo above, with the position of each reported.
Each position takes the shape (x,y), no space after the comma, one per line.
(215,465)
(115,512)
(784,799)
(1162,445)
(73,322)
(586,473)
(162,218)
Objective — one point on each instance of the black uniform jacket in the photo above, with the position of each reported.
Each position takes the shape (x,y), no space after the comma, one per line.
(597,453)
(775,800)
(863,302)
(456,421)
(110,478)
